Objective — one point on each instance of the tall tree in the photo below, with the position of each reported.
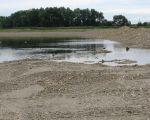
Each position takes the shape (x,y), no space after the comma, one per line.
(58,17)
(120,20)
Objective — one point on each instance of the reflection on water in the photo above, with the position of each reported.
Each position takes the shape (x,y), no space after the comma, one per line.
(88,51)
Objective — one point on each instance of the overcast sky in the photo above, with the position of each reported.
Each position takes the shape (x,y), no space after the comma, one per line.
(134,10)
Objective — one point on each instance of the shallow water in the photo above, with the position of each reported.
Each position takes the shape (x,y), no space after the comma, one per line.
(88,51)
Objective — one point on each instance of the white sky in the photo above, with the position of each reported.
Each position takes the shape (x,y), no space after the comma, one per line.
(134,10)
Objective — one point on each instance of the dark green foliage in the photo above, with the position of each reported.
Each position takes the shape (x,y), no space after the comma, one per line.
(59,17)
(139,24)
(5,22)
(145,24)
(52,17)
(120,20)
(107,23)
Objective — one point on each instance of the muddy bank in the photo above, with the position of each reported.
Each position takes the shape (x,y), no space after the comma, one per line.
(131,37)
(38,89)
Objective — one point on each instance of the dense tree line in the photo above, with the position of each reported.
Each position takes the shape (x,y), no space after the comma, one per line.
(59,17)
(143,24)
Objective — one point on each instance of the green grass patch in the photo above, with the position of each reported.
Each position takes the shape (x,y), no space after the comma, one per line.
(55,29)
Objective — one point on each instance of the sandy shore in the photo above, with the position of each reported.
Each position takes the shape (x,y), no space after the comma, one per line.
(46,90)
(128,36)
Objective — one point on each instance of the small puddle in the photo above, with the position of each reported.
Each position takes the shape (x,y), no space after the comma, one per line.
(88,51)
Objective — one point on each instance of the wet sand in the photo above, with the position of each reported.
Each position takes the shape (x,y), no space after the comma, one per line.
(46,90)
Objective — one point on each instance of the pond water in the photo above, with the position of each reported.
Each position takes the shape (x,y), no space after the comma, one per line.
(88,51)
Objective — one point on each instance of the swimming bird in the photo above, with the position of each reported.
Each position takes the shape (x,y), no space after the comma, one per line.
(127,48)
